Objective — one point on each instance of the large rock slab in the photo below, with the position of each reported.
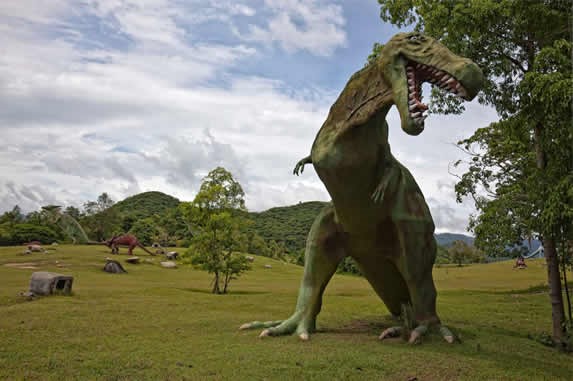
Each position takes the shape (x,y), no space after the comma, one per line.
(47,283)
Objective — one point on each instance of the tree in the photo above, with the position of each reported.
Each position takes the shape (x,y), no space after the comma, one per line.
(12,217)
(145,230)
(215,217)
(460,253)
(521,167)
(101,219)
(73,212)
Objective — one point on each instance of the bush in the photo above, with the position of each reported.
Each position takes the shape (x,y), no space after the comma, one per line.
(18,234)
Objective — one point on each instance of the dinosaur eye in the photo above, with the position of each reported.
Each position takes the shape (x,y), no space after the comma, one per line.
(414,38)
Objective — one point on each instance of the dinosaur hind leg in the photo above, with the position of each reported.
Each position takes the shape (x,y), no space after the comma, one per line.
(415,261)
(324,251)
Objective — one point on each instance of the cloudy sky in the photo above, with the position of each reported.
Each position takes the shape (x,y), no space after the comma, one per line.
(127,96)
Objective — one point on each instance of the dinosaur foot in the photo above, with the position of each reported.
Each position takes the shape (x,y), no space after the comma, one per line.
(295,324)
(418,333)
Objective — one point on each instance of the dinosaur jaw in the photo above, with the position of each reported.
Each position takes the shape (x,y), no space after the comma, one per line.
(416,75)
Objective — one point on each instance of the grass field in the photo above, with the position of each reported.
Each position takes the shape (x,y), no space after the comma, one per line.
(163,324)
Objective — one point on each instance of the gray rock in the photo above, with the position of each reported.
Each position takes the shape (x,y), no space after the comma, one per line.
(172,255)
(132,260)
(114,267)
(169,265)
(47,283)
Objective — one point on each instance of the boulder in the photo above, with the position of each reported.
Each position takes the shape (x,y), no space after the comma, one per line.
(250,258)
(47,283)
(169,265)
(172,255)
(113,267)
(268,267)
(132,260)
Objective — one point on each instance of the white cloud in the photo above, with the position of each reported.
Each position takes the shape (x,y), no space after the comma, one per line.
(138,102)
(313,25)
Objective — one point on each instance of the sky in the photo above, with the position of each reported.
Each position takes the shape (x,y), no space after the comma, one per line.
(129,96)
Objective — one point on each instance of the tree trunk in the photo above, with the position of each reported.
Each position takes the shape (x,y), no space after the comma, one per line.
(553,276)
(555,292)
(216,289)
(226,283)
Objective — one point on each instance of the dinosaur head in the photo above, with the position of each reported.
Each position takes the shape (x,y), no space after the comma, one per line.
(410,59)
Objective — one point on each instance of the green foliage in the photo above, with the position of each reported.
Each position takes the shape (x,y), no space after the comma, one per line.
(215,215)
(145,230)
(16,234)
(460,253)
(145,205)
(289,225)
(349,266)
(12,217)
(101,221)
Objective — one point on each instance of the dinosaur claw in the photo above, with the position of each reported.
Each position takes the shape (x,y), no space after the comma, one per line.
(245,326)
(390,332)
(304,336)
(265,333)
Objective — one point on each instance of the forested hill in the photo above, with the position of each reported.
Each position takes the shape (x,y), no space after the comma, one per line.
(146,204)
(288,224)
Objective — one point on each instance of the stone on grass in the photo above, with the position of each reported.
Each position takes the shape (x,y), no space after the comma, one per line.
(47,283)
(132,260)
(169,265)
(268,267)
(172,255)
(250,258)
(113,267)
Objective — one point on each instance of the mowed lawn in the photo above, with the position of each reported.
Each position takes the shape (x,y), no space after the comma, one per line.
(163,324)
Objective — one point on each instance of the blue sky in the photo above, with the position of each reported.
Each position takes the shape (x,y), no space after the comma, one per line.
(127,96)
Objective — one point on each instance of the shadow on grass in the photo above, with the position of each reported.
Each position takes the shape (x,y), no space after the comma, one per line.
(207,291)
(375,326)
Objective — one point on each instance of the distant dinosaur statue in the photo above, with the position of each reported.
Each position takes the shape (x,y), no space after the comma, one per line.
(128,240)
(68,224)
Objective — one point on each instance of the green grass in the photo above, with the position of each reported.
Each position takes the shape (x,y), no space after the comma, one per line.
(162,324)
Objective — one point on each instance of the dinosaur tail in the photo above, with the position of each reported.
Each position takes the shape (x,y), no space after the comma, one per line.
(95,243)
(143,247)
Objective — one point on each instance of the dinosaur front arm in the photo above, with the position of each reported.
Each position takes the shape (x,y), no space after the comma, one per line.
(299,167)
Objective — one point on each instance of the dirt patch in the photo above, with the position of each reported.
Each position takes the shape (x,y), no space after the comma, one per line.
(23,265)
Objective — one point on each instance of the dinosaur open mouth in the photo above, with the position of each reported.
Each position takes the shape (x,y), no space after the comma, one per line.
(416,74)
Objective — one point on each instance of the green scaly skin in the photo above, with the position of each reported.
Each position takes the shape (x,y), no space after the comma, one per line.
(378,214)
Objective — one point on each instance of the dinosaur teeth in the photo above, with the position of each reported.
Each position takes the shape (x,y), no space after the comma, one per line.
(416,114)
(450,80)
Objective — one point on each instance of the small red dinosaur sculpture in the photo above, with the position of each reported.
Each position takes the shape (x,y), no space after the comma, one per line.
(128,240)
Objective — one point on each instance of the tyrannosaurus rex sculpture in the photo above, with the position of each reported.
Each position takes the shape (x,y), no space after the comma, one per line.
(378,215)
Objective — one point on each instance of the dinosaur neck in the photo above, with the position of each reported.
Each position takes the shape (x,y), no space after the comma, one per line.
(367,94)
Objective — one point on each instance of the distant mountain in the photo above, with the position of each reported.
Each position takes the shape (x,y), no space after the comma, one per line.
(447,239)
(146,204)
